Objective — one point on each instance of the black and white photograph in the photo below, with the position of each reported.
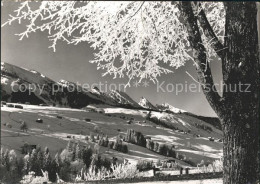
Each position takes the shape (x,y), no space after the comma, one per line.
(142,92)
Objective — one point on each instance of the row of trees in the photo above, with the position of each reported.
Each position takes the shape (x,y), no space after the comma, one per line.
(135,137)
(66,164)
(138,138)
(162,149)
(118,145)
(104,141)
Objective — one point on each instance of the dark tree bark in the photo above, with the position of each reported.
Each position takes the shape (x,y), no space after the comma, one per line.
(241,65)
(238,108)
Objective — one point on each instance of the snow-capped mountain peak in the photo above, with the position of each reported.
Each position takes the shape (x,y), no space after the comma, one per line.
(146,104)
(66,83)
(122,98)
(168,107)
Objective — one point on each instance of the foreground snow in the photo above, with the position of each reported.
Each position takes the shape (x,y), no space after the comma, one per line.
(208,181)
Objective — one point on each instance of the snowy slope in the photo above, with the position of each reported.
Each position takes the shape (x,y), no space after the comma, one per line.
(123,99)
(43,89)
(73,123)
(12,77)
(61,93)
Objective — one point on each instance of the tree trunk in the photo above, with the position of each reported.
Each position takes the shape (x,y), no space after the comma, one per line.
(240,114)
(238,108)
(240,146)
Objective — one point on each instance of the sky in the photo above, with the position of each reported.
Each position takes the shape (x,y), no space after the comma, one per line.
(71,63)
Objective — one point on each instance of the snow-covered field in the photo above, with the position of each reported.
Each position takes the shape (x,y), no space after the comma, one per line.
(209,181)
(54,132)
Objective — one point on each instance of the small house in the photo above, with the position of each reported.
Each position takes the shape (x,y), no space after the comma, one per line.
(9,105)
(39,120)
(59,117)
(3,102)
(18,106)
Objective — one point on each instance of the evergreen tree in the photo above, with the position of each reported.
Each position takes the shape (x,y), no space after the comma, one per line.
(6,163)
(148,144)
(163,149)
(53,169)
(106,141)
(73,151)
(92,138)
(47,162)
(20,167)
(156,146)
(26,163)
(46,150)
(33,161)
(152,145)
(39,161)
(86,156)
(69,146)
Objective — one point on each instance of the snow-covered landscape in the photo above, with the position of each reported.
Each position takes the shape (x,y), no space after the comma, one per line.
(195,141)
(130,92)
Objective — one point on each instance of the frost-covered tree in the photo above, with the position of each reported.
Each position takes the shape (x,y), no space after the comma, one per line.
(148,39)
(77,152)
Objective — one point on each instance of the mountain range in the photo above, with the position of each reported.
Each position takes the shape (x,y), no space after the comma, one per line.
(47,91)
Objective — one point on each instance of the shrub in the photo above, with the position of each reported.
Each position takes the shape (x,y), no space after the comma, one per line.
(216,166)
(171,153)
(96,128)
(31,178)
(180,156)
(116,171)
(124,148)
(9,125)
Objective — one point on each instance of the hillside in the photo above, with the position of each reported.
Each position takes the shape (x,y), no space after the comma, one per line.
(108,113)
(54,132)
